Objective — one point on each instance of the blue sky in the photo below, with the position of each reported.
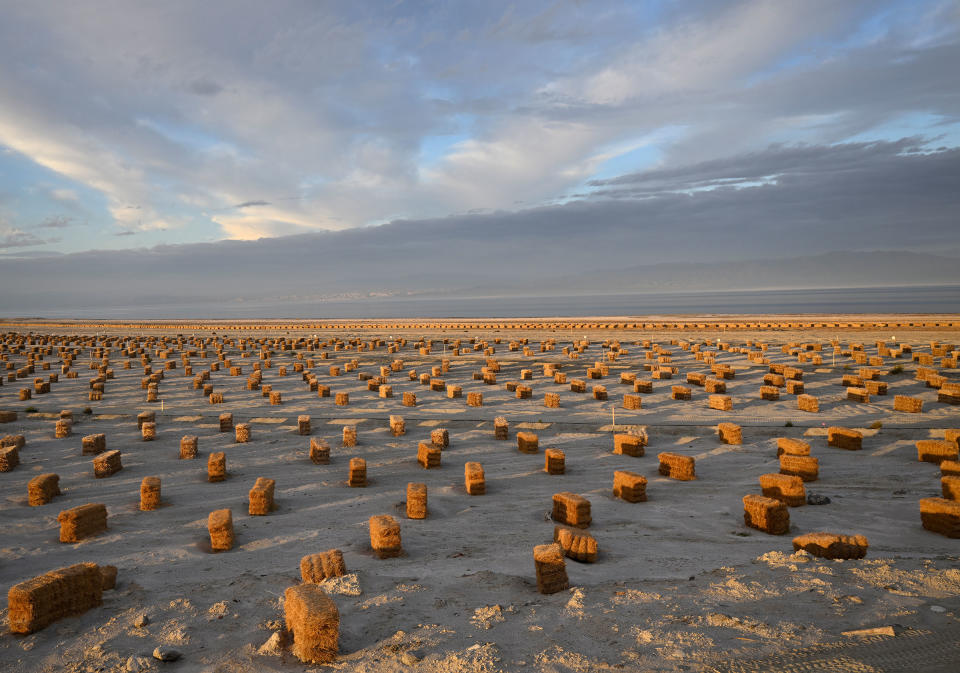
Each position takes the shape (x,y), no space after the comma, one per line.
(131,125)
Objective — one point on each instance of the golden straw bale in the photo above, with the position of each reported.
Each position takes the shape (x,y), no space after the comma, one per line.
(428,456)
(571,509)
(9,458)
(313,619)
(323,391)
(314,568)
(551,400)
(950,487)
(950,468)
(149,432)
(242,433)
(629,444)
(578,386)
(385,391)
(261,497)
(527,442)
(82,522)
(342,399)
(319,451)
(18,441)
(941,516)
(398,426)
(730,433)
(875,387)
(794,387)
(832,546)
(629,486)
(632,402)
(108,577)
(64,428)
(554,461)
(788,489)
(696,378)
(808,403)
(188,447)
(275,397)
(416,501)
(42,489)
(440,438)
(106,464)
(149,493)
(576,544)
(794,447)
(911,405)
(474,399)
(349,436)
(766,514)
(358,473)
(217,398)
(474,479)
(500,428)
(220,528)
(454,392)
(226,422)
(93,444)
(680,393)
(858,395)
(936,450)
(217,466)
(770,393)
(720,402)
(385,536)
(36,603)
(715,386)
(845,438)
(25,394)
(677,466)
(550,568)
(303,424)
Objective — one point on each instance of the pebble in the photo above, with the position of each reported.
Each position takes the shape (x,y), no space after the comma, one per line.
(815,499)
(141,620)
(937,608)
(164,653)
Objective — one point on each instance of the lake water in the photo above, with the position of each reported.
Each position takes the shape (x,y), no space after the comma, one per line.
(921,299)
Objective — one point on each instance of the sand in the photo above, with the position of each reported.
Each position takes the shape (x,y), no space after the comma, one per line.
(680,583)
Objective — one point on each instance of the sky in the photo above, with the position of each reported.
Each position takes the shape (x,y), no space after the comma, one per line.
(696,130)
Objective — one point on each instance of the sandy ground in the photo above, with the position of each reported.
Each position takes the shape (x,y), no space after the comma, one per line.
(681,583)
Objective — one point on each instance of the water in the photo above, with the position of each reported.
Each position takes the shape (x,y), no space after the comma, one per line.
(920,299)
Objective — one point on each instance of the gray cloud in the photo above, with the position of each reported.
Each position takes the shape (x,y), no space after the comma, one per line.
(15,238)
(250,204)
(57,222)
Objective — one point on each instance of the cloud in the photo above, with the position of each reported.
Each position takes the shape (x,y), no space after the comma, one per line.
(15,238)
(56,222)
(250,204)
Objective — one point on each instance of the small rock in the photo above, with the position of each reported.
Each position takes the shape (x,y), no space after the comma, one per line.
(141,620)
(816,499)
(410,657)
(937,608)
(273,646)
(164,653)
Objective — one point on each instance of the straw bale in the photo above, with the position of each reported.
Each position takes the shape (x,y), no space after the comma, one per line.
(554,461)
(398,426)
(358,473)
(845,438)
(474,479)
(912,405)
(428,455)
(771,393)
(148,431)
(220,528)
(950,487)
(188,447)
(106,464)
(385,536)
(832,546)
(941,516)
(808,403)
(571,509)
(550,568)
(851,380)
(8,416)
(217,466)
(313,619)
(314,568)
(730,433)
(342,399)
(766,514)
(440,438)
(696,378)
(794,387)
(629,486)
(662,374)
(108,577)
(9,458)
(226,422)
(578,386)
(876,387)
(416,501)
(261,497)
(217,398)
(643,387)
(788,489)
(952,435)
(721,402)
(63,428)
(319,451)
(149,493)
(680,393)
(576,544)
(454,392)
(936,450)
(16,441)
(82,522)
(36,603)
(438,385)
(793,447)
(629,444)
(715,386)
(527,442)
(475,399)
(349,437)
(42,489)
(677,466)
(242,433)
(950,468)
(600,393)
(25,394)
(275,397)
(303,424)
(858,395)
